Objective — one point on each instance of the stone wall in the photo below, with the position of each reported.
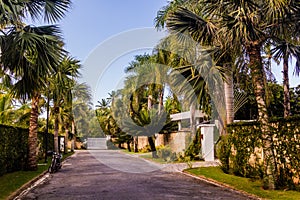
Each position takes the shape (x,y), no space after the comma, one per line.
(178,141)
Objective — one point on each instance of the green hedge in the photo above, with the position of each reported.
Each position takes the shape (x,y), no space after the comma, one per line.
(14,145)
(240,150)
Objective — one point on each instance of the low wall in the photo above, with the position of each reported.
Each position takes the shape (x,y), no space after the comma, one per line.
(178,141)
(241,150)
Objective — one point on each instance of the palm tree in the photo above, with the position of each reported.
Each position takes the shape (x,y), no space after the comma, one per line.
(30,53)
(103,103)
(285,50)
(81,96)
(188,21)
(250,24)
(14,11)
(61,85)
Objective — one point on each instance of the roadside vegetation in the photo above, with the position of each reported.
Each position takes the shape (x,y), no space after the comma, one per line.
(225,50)
(248,185)
(11,182)
(218,57)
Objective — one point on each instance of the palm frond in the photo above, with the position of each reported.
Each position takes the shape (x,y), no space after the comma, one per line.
(184,21)
(51,10)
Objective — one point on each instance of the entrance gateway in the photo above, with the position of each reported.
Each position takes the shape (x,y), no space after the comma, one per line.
(96,143)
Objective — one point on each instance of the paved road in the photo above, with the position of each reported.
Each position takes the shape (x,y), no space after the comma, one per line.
(105,174)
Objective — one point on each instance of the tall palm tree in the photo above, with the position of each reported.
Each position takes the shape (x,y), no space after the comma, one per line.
(285,49)
(250,24)
(81,105)
(61,85)
(31,55)
(188,20)
(15,11)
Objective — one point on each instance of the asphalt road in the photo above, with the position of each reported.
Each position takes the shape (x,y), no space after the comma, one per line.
(105,174)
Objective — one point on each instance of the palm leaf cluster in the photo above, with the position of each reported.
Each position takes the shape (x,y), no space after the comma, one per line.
(34,64)
(242,31)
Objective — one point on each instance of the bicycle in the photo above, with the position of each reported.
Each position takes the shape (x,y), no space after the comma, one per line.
(56,162)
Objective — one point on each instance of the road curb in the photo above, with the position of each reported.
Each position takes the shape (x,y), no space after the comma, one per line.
(222,185)
(27,185)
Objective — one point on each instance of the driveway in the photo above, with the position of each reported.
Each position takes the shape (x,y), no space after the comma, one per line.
(105,174)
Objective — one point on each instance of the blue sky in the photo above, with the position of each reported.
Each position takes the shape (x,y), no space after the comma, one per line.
(92,24)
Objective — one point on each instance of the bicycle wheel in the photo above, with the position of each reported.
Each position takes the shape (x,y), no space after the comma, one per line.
(52,167)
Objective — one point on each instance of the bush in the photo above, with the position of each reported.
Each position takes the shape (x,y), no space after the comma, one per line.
(223,153)
(194,148)
(166,154)
(145,149)
(14,145)
(239,150)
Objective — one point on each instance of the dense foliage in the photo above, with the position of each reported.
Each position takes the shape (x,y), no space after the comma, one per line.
(14,148)
(240,151)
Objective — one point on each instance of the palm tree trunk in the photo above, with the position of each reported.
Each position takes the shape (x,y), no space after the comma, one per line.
(74,136)
(152,146)
(56,133)
(229,96)
(150,138)
(257,73)
(286,88)
(161,99)
(66,139)
(135,144)
(33,129)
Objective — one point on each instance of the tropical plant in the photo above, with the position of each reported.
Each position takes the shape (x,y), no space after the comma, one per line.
(61,84)
(182,22)
(6,108)
(247,25)
(285,50)
(30,54)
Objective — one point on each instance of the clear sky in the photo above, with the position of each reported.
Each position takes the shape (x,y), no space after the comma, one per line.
(101,26)
(91,22)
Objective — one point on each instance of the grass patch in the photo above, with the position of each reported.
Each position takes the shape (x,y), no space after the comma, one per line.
(148,156)
(245,184)
(159,160)
(130,152)
(11,182)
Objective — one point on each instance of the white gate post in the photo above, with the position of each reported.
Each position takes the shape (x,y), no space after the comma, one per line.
(207,142)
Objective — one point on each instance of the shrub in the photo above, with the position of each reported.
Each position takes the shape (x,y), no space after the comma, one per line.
(145,149)
(194,148)
(14,145)
(166,154)
(239,150)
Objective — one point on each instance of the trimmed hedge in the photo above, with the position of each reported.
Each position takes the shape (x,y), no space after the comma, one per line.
(14,148)
(240,150)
